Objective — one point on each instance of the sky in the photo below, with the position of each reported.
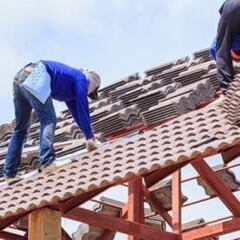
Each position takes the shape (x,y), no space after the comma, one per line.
(113,37)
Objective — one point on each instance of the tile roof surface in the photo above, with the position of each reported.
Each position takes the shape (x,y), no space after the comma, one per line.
(198,132)
(177,90)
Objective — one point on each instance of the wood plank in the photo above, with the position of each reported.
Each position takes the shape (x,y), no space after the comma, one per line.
(176,202)
(120,225)
(135,203)
(45,224)
(213,230)
(156,206)
(217,185)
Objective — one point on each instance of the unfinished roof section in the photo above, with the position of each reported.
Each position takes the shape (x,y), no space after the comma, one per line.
(150,124)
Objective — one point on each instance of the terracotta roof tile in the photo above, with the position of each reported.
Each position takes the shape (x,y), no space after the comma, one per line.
(203,54)
(198,132)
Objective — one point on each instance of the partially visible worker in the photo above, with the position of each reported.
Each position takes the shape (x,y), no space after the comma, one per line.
(227,45)
(35,87)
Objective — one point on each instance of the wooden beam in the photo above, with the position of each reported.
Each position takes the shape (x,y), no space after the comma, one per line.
(8,221)
(72,203)
(159,175)
(156,206)
(119,225)
(135,203)
(10,236)
(230,154)
(213,230)
(176,202)
(217,185)
(45,224)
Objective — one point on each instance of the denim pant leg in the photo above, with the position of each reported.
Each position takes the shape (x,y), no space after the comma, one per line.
(22,116)
(47,117)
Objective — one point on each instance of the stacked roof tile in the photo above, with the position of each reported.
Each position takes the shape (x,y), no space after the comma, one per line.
(165,92)
(232,100)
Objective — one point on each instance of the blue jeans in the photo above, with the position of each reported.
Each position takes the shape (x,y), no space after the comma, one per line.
(24,102)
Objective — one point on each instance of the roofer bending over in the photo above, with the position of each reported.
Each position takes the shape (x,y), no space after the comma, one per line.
(227,45)
(35,87)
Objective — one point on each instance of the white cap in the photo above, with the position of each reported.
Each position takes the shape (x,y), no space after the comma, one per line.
(94,82)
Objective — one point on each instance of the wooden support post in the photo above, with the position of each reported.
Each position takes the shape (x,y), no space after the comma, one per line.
(218,186)
(135,203)
(45,224)
(176,202)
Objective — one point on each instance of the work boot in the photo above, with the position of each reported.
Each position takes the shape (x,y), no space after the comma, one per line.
(91,145)
(12,180)
(55,165)
(218,102)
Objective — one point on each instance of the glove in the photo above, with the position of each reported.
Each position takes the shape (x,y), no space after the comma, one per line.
(91,145)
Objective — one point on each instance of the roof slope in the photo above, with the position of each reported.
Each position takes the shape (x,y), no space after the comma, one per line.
(199,132)
(170,91)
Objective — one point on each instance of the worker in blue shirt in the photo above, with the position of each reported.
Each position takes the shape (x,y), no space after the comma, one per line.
(227,45)
(35,87)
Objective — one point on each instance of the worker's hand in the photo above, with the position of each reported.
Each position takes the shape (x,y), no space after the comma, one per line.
(91,145)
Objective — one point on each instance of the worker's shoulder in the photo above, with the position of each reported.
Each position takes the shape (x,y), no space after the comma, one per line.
(55,64)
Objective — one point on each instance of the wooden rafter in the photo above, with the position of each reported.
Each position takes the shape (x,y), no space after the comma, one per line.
(230,154)
(76,201)
(217,185)
(8,221)
(10,236)
(158,175)
(120,225)
(213,230)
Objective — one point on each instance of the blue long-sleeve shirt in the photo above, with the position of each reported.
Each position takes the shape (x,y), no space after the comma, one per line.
(71,86)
